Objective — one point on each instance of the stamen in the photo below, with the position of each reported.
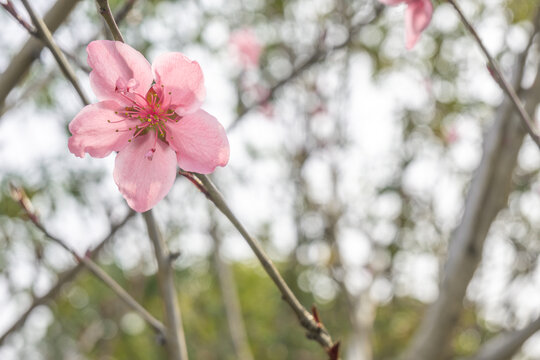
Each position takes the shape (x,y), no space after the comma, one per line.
(150,154)
(152,112)
(116,121)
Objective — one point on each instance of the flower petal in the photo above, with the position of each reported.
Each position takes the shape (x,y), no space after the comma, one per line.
(93,133)
(200,142)
(417,18)
(143,180)
(247,47)
(114,63)
(181,82)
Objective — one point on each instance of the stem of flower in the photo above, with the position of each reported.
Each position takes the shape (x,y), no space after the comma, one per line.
(315,329)
(105,11)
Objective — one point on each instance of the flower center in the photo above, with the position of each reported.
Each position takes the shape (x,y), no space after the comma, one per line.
(145,113)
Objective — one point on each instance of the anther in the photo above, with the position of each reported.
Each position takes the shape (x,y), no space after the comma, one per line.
(150,154)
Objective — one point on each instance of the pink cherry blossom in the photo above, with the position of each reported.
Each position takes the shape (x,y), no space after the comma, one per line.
(417,18)
(247,47)
(151,115)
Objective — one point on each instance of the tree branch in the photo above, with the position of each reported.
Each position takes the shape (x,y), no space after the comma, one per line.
(47,38)
(176,342)
(505,345)
(20,63)
(65,278)
(119,16)
(315,330)
(19,195)
(316,57)
(105,11)
(8,6)
(488,194)
(494,69)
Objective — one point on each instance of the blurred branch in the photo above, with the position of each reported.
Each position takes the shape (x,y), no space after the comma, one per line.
(176,342)
(19,195)
(47,38)
(33,88)
(488,194)
(315,330)
(233,309)
(20,63)
(495,71)
(505,345)
(65,278)
(105,11)
(319,55)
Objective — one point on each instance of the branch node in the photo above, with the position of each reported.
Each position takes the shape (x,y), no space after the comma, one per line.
(315,314)
(195,182)
(333,352)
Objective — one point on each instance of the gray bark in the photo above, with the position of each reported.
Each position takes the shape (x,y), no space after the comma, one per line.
(505,345)
(488,194)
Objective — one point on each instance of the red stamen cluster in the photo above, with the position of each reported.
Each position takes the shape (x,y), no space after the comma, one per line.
(151,113)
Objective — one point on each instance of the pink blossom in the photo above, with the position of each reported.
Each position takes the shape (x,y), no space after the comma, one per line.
(247,46)
(451,135)
(151,115)
(417,18)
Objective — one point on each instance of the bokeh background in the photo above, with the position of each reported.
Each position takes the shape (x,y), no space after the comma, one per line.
(353,175)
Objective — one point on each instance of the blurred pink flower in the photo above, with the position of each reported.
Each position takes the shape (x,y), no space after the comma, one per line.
(417,18)
(150,114)
(451,135)
(247,47)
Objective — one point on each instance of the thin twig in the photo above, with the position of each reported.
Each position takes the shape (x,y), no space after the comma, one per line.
(47,38)
(176,342)
(22,61)
(315,330)
(33,32)
(19,195)
(316,57)
(500,78)
(105,11)
(488,194)
(13,12)
(65,278)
